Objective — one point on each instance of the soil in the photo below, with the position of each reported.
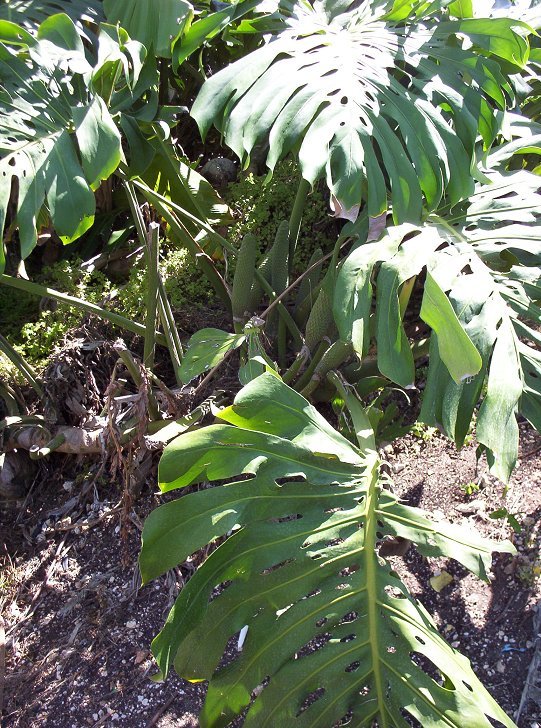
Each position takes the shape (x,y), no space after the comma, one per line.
(78,625)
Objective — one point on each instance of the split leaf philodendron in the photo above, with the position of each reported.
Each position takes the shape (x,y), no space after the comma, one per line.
(396,106)
(331,629)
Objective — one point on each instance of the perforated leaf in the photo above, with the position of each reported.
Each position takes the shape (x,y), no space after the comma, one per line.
(490,269)
(370,97)
(31,13)
(330,630)
(58,138)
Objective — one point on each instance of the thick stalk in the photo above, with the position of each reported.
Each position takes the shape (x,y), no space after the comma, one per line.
(153,245)
(124,323)
(295,368)
(332,359)
(170,331)
(296,218)
(305,378)
(166,316)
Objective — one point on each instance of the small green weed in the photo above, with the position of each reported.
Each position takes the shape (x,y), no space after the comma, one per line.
(423,432)
(36,330)
(470,488)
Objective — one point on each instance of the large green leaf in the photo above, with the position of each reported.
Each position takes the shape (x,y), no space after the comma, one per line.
(488,262)
(455,347)
(155,24)
(330,629)
(58,138)
(31,13)
(371,98)
(206,28)
(479,265)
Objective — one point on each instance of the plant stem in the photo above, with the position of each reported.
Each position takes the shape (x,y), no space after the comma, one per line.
(335,355)
(152,294)
(202,260)
(371,566)
(170,331)
(36,452)
(282,310)
(166,315)
(294,369)
(296,217)
(124,323)
(153,196)
(10,399)
(369,366)
(282,343)
(321,349)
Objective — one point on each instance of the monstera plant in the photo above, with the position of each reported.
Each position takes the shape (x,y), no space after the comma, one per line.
(397,106)
(330,630)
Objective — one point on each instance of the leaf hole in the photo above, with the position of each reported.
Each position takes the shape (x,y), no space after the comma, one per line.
(420,639)
(349,617)
(344,100)
(411,719)
(321,622)
(310,699)
(219,589)
(468,686)
(391,649)
(349,638)
(344,720)
(394,592)
(353,666)
(275,567)
(432,670)
(285,519)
